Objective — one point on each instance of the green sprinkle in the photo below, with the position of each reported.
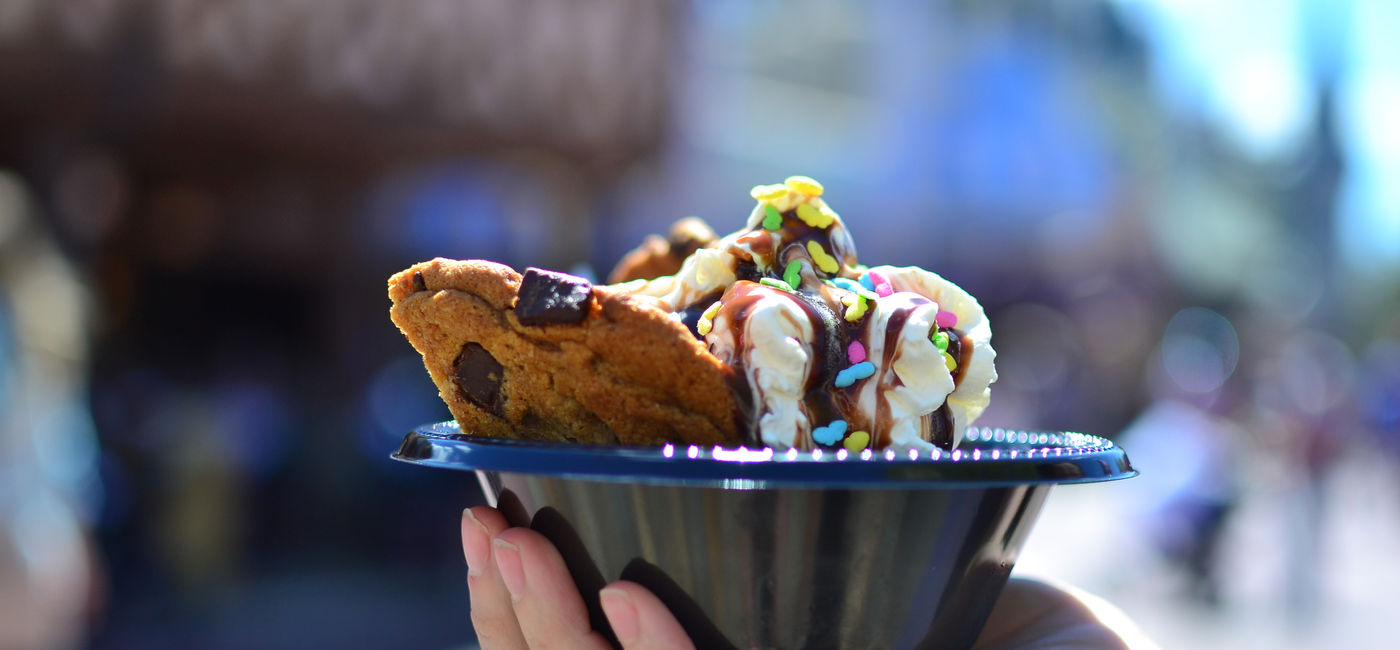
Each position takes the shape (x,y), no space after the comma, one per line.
(772,219)
(941,341)
(793,273)
(776,284)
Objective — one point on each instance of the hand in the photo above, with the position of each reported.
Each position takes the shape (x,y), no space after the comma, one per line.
(1033,615)
(523,597)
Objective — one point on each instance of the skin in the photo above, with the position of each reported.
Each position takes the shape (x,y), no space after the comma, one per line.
(523,597)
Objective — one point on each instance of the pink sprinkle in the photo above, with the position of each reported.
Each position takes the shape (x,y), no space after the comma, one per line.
(856,352)
(882,285)
(946,319)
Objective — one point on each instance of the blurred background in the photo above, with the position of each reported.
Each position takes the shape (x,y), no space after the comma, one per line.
(1182,218)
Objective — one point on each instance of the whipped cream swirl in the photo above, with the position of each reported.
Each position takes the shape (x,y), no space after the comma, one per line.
(830,353)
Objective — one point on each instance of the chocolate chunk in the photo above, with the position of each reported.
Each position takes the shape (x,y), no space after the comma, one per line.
(941,427)
(547,298)
(478,378)
(418,284)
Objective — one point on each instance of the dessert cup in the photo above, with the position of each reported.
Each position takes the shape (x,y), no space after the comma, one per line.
(756,548)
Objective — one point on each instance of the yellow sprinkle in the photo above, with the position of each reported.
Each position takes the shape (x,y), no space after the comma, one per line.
(857,441)
(855,306)
(824,261)
(812,216)
(768,192)
(949,363)
(707,322)
(803,185)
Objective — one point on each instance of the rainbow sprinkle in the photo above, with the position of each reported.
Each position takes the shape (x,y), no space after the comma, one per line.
(879,284)
(946,319)
(949,363)
(772,219)
(810,215)
(707,319)
(857,441)
(855,352)
(804,185)
(823,260)
(940,340)
(831,433)
(768,192)
(856,306)
(852,285)
(793,273)
(847,284)
(776,284)
(851,375)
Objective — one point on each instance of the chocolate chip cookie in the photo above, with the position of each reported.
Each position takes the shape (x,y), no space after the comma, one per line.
(548,356)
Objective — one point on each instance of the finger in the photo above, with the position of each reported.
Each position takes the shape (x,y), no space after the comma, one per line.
(548,606)
(1031,615)
(493,616)
(640,620)
(1113,620)
(1026,610)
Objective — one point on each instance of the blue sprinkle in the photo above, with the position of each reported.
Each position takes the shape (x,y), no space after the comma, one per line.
(846,283)
(866,282)
(854,373)
(831,433)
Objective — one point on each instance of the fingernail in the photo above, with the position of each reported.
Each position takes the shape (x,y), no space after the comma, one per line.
(475,538)
(512,573)
(622,614)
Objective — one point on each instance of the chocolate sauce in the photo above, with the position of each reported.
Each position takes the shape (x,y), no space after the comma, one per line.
(795,232)
(880,427)
(760,242)
(745,417)
(762,253)
(827,360)
(963,355)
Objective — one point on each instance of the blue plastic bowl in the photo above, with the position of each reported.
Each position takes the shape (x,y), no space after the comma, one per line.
(756,548)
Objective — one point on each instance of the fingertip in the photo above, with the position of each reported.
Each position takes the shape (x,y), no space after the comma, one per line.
(534,546)
(640,619)
(475,540)
(491,610)
(520,552)
(509,564)
(489,518)
(479,525)
(621,613)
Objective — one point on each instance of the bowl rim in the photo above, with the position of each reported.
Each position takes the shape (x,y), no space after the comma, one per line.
(987,457)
